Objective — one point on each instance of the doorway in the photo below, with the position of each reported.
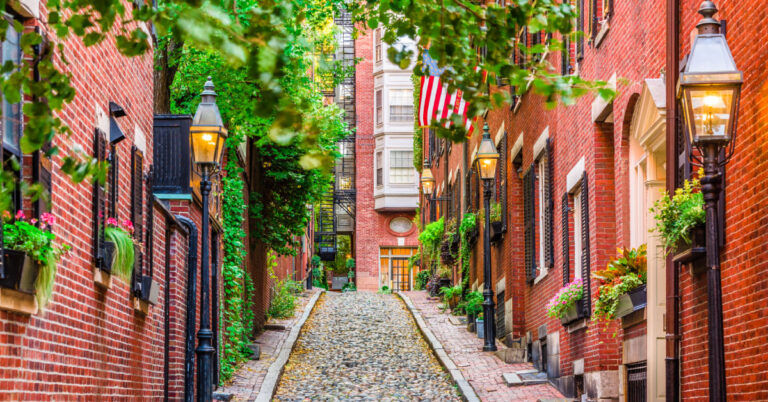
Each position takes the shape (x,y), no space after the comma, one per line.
(400,275)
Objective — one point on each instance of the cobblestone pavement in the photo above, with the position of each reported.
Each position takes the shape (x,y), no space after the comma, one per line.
(483,370)
(246,382)
(365,347)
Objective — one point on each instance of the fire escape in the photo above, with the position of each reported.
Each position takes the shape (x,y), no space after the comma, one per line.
(336,213)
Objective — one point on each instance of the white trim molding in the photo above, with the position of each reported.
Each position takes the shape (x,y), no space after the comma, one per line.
(541,143)
(574,176)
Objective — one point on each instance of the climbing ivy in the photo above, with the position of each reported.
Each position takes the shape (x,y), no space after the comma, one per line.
(468,224)
(235,336)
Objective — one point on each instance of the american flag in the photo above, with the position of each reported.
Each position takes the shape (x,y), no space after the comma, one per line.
(435,102)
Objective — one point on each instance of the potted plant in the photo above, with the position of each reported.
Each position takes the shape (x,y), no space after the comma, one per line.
(473,307)
(30,255)
(421,280)
(564,304)
(497,228)
(680,222)
(444,277)
(119,238)
(479,326)
(451,295)
(622,284)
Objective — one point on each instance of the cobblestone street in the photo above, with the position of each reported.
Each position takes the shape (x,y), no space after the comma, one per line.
(363,346)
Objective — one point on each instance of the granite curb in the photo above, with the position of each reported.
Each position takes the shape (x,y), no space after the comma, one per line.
(275,370)
(464,386)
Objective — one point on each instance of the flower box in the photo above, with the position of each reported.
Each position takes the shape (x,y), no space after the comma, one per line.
(631,301)
(146,289)
(472,236)
(449,250)
(107,256)
(20,272)
(497,232)
(572,314)
(695,250)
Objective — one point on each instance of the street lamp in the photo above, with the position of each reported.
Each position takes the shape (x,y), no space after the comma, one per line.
(709,88)
(487,157)
(207,135)
(428,187)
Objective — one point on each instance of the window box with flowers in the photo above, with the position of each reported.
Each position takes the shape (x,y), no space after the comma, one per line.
(564,304)
(119,250)
(497,225)
(622,285)
(30,258)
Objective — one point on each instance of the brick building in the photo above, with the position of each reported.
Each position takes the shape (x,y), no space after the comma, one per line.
(577,182)
(101,337)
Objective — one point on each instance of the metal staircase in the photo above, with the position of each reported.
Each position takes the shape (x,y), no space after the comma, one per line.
(336,212)
(325,235)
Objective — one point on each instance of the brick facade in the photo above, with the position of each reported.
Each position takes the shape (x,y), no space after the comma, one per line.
(632,48)
(91,342)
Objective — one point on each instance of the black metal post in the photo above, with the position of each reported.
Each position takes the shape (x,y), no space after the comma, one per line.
(710,188)
(309,276)
(488,306)
(204,349)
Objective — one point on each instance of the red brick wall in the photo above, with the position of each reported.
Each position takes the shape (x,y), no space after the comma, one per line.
(744,259)
(90,343)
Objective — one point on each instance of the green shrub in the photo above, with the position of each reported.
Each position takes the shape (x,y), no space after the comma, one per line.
(421,280)
(474,302)
(348,287)
(385,290)
(283,302)
(677,215)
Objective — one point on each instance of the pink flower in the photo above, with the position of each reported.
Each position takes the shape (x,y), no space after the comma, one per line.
(33,221)
(20,215)
(48,218)
(111,221)
(128,225)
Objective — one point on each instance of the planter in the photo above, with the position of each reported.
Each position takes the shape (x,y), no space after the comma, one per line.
(20,272)
(449,250)
(146,289)
(471,322)
(497,232)
(694,251)
(631,301)
(443,283)
(107,256)
(572,314)
(453,302)
(472,236)
(480,328)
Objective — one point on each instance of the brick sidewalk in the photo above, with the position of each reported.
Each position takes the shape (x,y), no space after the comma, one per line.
(483,370)
(247,381)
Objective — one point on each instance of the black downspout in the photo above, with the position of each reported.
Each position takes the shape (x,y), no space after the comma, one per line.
(167,313)
(189,350)
(672,271)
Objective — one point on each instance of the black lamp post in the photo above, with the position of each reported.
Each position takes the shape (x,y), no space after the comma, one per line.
(487,157)
(207,135)
(710,87)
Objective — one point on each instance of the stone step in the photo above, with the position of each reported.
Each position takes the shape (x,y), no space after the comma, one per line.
(511,355)
(524,377)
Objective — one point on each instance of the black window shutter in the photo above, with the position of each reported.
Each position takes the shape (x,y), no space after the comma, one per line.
(549,208)
(150,221)
(585,267)
(565,57)
(99,198)
(593,21)
(137,191)
(566,242)
(114,177)
(529,212)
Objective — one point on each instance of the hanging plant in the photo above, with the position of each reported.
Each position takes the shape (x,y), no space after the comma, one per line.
(124,255)
(565,299)
(430,239)
(676,216)
(36,241)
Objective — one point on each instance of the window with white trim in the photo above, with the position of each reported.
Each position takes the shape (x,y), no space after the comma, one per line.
(577,229)
(379,170)
(401,170)
(400,105)
(377,39)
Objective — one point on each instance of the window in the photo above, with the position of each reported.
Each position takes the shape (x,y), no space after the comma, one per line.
(401,105)
(542,210)
(577,233)
(379,170)
(377,39)
(379,108)
(11,112)
(401,170)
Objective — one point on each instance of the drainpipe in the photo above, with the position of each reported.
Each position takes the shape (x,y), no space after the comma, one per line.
(673,284)
(189,349)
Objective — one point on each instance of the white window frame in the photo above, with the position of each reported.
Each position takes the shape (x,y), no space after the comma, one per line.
(379,168)
(541,172)
(377,45)
(391,98)
(577,230)
(379,107)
